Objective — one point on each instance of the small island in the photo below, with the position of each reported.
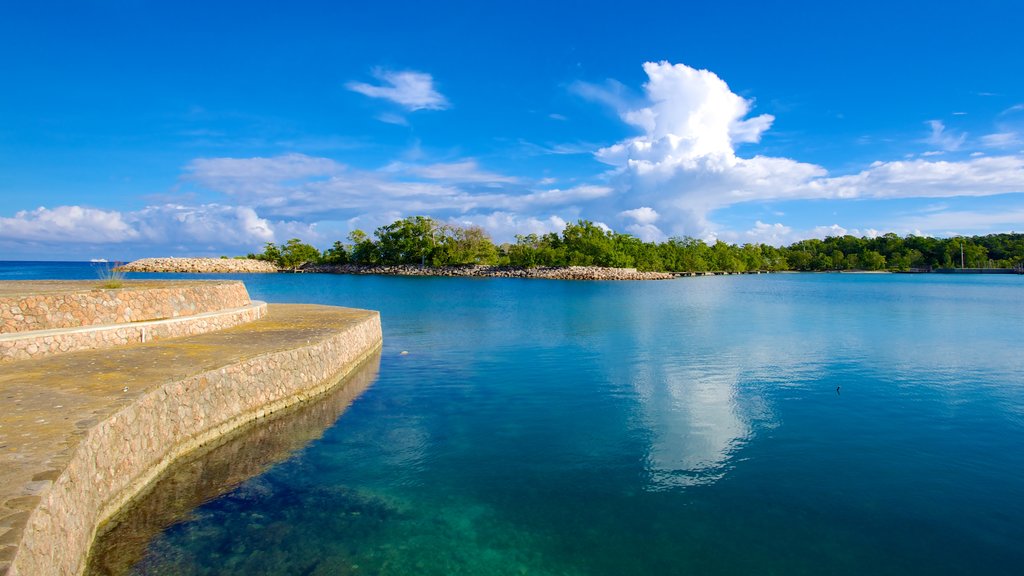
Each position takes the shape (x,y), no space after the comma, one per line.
(423,246)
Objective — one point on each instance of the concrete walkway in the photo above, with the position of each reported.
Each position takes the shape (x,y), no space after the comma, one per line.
(49,405)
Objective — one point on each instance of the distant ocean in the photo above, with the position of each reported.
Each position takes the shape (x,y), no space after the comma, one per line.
(771,424)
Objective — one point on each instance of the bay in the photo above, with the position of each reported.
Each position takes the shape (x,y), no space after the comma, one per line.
(772,424)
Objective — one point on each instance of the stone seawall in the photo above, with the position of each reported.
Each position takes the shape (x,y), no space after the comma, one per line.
(38,344)
(112,460)
(200,265)
(552,273)
(58,304)
(217,469)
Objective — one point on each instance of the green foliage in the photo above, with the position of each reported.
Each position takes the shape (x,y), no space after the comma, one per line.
(363,250)
(420,240)
(461,246)
(292,254)
(336,254)
(406,241)
(295,253)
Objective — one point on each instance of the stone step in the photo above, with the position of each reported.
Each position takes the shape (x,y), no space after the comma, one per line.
(27,306)
(83,432)
(41,343)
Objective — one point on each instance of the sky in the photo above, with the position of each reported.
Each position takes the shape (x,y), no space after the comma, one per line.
(133,128)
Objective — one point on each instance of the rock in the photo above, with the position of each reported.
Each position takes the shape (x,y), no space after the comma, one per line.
(199,265)
(551,273)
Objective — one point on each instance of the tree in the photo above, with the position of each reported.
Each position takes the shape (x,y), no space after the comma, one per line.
(295,253)
(406,241)
(337,254)
(364,251)
(462,246)
(270,254)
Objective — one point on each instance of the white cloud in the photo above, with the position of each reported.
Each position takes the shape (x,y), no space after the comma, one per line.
(668,180)
(943,139)
(1002,140)
(504,226)
(980,176)
(467,171)
(67,224)
(952,222)
(328,190)
(684,163)
(165,227)
(390,118)
(779,234)
(410,89)
(641,215)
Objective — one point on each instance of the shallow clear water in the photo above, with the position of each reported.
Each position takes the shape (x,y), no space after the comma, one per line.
(687,426)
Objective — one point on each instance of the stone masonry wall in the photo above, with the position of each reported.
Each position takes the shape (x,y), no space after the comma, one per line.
(28,345)
(121,455)
(22,313)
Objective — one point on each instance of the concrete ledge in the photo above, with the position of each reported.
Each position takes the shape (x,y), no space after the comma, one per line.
(27,306)
(91,430)
(42,343)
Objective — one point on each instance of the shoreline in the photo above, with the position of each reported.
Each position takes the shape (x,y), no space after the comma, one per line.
(251,266)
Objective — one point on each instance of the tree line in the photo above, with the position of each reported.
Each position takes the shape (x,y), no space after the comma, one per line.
(423,241)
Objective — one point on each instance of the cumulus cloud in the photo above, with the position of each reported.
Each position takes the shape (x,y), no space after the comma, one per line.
(504,226)
(684,163)
(779,234)
(64,224)
(409,89)
(979,176)
(199,228)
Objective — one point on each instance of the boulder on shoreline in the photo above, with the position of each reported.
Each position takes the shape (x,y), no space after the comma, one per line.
(566,273)
(199,265)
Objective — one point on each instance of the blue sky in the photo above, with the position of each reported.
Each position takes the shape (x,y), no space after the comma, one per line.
(135,128)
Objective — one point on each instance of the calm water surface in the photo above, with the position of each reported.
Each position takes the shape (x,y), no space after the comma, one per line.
(688,426)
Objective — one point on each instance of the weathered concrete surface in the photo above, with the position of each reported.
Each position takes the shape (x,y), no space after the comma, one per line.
(82,433)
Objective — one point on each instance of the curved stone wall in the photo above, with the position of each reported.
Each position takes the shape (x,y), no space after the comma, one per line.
(118,457)
(51,305)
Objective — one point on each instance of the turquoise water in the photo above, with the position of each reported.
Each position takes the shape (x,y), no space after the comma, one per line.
(687,426)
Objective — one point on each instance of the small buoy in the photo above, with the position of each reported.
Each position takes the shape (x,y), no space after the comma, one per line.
(404,353)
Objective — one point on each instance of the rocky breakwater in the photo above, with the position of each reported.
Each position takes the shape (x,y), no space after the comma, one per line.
(550,273)
(200,265)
